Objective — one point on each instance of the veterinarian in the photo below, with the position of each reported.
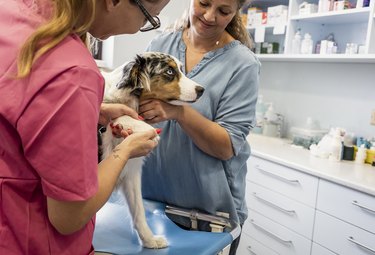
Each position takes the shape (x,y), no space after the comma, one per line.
(201,159)
(50,94)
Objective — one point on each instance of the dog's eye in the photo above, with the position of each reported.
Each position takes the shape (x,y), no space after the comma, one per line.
(170,71)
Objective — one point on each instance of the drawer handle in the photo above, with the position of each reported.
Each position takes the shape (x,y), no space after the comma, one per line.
(277,176)
(351,239)
(250,250)
(362,206)
(272,204)
(287,242)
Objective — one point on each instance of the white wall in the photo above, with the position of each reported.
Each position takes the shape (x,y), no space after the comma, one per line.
(122,48)
(338,95)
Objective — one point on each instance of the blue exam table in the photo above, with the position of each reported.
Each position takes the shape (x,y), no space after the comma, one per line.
(115,234)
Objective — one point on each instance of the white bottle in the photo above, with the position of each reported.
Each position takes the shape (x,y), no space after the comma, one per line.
(336,146)
(361,155)
(307,44)
(261,109)
(271,125)
(296,43)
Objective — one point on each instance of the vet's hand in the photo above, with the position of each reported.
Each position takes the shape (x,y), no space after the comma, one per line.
(154,111)
(109,112)
(137,144)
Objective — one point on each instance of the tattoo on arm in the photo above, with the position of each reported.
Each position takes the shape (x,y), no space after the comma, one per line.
(115,155)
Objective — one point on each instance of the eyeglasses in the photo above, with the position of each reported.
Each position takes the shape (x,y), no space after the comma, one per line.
(153,22)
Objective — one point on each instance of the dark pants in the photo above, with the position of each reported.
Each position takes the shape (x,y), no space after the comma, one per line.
(235,243)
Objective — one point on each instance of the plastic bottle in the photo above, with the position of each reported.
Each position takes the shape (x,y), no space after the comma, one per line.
(336,146)
(261,109)
(296,43)
(271,126)
(361,154)
(307,44)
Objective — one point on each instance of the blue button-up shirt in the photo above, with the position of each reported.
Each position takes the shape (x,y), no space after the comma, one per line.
(177,172)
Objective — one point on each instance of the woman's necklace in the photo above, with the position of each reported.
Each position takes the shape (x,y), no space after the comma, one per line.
(191,47)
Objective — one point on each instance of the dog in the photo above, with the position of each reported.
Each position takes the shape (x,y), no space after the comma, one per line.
(150,75)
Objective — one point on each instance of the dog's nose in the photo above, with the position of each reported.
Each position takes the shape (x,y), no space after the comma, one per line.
(199,90)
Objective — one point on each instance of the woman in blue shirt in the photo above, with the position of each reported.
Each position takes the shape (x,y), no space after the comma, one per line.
(201,159)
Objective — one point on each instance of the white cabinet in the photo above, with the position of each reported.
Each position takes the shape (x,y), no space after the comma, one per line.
(250,246)
(345,220)
(291,212)
(354,25)
(341,237)
(349,205)
(281,204)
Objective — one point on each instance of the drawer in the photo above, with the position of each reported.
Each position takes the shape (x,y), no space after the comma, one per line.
(341,237)
(349,205)
(250,246)
(320,250)
(275,236)
(287,181)
(289,213)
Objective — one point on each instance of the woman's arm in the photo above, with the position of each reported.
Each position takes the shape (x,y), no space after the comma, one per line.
(67,216)
(209,136)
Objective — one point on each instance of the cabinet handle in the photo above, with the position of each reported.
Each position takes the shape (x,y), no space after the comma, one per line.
(250,250)
(355,202)
(272,204)
(287,242)
(351,239)
(277,176)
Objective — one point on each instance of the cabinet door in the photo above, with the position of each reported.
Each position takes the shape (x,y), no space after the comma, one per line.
(349,205)
(341,237)
(288,212)
(275,236)
(320,250)
(250,246)
(287,181)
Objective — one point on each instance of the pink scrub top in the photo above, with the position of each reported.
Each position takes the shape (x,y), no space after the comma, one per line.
(48,143)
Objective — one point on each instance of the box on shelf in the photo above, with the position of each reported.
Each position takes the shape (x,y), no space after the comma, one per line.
(269,48)
(307,8)
(260,18)
(277,14)
(251,15)
(305,137)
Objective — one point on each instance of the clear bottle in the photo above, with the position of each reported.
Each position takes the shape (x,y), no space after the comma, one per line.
(296,43)
(307,44)
(271,125)
(261,109)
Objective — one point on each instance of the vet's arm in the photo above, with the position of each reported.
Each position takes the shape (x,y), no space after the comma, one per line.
(70,216)
(109,112)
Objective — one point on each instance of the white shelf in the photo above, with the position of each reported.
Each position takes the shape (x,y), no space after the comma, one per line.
(336,17)
(356,25)
(265,26)
(333,58)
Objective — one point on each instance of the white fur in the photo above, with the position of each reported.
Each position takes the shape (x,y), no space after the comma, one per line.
(129,181)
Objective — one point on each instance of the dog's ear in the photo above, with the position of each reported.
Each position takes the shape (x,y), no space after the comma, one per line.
(134,75)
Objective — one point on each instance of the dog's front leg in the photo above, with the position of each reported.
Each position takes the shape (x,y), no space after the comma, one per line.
(131,186)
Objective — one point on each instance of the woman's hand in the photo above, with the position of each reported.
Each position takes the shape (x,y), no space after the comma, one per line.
(109,112)
(136,145)
(154,111)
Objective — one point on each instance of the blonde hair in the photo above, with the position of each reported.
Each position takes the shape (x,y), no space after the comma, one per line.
(70,16)
(235,28)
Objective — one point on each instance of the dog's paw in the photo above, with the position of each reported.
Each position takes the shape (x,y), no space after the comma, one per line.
(156,242)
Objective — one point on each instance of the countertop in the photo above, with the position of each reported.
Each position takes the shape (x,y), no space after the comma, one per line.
(360,177)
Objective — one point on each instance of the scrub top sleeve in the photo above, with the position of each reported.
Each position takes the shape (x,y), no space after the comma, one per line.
(58,132)
(236,109)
